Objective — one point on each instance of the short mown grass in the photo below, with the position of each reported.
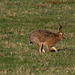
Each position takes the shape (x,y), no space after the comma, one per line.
(18,18)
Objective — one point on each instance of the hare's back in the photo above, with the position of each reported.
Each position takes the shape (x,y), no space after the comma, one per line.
(44,34)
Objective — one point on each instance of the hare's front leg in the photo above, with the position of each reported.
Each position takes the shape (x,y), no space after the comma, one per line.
(48,48)
(54,49)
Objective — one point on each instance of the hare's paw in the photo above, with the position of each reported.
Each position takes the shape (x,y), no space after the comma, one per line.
(43,50)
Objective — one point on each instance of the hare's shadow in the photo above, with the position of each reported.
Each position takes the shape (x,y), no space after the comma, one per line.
(63,50)
(58,50)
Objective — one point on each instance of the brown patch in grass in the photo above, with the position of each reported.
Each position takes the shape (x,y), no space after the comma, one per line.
(54,2)
(2,37)
(39,5)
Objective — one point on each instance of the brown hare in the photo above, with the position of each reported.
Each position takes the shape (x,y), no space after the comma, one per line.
(41,36)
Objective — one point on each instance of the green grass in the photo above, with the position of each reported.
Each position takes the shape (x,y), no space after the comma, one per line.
(18,18)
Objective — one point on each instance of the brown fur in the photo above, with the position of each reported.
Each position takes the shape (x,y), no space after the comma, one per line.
(40,37)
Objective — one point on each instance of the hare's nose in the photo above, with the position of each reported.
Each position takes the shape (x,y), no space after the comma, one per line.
(64,37)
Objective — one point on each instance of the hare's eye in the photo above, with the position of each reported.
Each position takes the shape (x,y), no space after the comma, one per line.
(60,33)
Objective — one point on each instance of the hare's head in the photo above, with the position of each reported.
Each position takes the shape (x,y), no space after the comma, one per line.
(60,34)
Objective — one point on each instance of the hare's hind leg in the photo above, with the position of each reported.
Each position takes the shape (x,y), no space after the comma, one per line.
(54,49)
(40,47)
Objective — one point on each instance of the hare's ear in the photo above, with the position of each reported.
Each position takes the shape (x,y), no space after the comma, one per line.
(60,27)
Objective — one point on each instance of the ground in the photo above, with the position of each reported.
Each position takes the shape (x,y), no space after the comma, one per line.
(18,18)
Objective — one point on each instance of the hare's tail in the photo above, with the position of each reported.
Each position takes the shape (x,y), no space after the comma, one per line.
(31,42)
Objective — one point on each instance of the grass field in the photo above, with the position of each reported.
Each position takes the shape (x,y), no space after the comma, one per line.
(18,18)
